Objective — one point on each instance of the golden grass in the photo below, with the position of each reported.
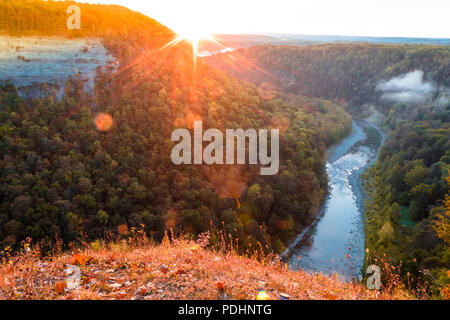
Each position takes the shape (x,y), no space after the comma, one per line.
(179,269)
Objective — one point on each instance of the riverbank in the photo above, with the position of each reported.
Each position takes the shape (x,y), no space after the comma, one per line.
(334,242)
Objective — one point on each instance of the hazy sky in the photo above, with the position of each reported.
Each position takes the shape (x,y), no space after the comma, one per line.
(391,18)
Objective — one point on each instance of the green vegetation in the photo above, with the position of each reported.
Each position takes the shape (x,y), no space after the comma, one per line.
(64,172)
(348,72)
(405,218)
(60,174)
(407,184)
(405,187)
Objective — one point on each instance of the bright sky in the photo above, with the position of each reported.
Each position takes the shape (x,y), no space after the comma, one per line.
(385,18)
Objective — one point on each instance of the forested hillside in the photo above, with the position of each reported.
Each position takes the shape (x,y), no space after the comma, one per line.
(96,162)
(408,89)
(350,72)
(113,24)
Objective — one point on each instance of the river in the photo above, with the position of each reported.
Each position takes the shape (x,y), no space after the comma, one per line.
(334,242)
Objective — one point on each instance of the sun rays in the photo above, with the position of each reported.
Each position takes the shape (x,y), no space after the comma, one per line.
(193,37)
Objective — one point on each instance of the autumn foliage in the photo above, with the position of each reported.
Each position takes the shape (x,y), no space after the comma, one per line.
(178,268)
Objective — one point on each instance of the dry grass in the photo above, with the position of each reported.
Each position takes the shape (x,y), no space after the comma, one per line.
(179,269)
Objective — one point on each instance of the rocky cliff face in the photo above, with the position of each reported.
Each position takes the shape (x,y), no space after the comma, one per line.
(29,61)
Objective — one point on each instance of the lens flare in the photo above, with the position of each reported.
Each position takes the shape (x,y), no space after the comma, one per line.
(193,35)
(262,295)
(103,122)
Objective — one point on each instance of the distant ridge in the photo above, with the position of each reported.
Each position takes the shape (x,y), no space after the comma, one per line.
(236,41)
(334,38)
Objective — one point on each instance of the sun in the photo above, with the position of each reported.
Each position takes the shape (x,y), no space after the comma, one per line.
(192,31)
(194,36)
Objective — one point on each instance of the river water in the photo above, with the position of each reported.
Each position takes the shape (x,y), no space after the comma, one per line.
(334,243)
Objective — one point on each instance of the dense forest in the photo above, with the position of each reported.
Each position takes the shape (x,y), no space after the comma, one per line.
(407,185)
(92,162)
(348,72)
(98,161)
(406,188)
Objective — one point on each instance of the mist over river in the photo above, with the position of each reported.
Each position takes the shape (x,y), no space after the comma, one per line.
(334,243)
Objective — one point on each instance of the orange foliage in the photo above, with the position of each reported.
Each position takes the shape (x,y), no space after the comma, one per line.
(122,229)
(172,270)
(60,286)
(81,259)
(220,285)
(446,292)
